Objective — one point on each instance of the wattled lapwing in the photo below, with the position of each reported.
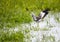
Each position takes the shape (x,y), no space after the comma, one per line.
(41,15)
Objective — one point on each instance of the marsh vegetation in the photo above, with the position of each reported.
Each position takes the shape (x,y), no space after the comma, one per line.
(16,24)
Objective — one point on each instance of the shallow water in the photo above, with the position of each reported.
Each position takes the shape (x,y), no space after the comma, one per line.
(47,30)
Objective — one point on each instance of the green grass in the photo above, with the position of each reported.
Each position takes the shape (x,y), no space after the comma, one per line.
(8,36)
(13,12)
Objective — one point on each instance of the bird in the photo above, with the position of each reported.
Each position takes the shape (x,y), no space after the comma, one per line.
(41,15)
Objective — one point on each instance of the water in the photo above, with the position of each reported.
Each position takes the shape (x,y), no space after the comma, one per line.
(47,30)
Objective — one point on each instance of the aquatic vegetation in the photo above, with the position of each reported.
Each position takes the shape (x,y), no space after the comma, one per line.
(16,24)
(7,35)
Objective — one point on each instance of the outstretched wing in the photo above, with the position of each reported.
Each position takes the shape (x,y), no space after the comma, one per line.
(41,15)
(34,17)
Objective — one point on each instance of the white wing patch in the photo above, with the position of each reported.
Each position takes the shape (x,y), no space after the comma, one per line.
(42,14)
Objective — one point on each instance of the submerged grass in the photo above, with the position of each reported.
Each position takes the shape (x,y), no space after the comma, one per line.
(11,36)
(15,12)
